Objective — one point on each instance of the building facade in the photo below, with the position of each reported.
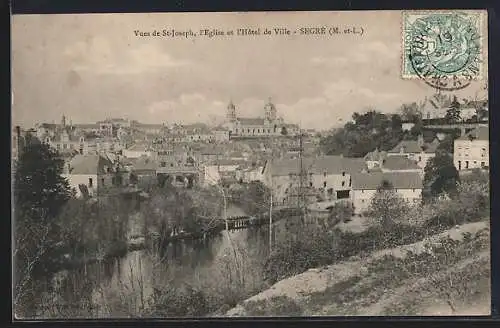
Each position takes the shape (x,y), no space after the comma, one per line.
(472,150)
(408,185)
(269,125)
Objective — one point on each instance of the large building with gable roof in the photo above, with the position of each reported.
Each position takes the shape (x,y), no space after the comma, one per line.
(269,125)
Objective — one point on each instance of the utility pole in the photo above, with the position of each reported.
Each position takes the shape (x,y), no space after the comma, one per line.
(271,223)
(301,196)
(271,199)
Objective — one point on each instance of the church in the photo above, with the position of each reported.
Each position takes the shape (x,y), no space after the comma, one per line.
(269,125)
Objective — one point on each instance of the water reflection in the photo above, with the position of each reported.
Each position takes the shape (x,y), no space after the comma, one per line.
(122,286)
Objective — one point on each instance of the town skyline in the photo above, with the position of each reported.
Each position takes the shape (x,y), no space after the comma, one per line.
(98,65)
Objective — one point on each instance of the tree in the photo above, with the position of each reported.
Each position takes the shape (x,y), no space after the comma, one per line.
(410,113)
(441,175)
(447,144)
(368,131)
(387,207)
(39,194)
(39,188)
(453,112)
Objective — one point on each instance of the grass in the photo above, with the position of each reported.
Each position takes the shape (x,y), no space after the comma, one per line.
(387,277)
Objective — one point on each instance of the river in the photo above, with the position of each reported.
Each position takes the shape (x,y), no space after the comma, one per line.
(122,286)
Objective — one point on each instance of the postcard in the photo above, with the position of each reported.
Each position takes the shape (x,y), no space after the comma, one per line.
(250,164)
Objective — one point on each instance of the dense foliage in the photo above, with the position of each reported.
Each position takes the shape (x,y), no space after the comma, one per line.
(441,176)
(253,198)
(366,132)
(322,247)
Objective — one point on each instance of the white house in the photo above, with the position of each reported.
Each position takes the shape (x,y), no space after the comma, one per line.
(90,172)
(138,150)
(364,186)
(214,171)
(472,150)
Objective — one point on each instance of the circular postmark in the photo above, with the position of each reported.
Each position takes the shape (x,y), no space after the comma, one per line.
(444,50)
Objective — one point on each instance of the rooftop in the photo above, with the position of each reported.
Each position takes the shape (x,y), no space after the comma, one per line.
(399,180)
(399,163)
(415,146)
(480,133)
(88,164)
(318,165)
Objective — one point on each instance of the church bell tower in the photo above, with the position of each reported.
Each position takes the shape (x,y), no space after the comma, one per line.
(270,111)
(231,112)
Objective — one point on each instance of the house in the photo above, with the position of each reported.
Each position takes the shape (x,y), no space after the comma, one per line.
(331,175)
(407,126)
(214,171)
(417,150)
(400,164)
(328,177)
(472,150)
(137,150)
(90,173)
(250,174)
(364,186)
(374,158)
(143,170)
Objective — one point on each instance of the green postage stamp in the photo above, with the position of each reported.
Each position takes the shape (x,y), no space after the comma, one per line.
(443,45)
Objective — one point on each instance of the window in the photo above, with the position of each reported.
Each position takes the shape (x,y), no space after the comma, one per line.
(362,201)
(343,174)
(324,184)
(466,164)
(343,183)
(475,162)
(419,158)
(413,190)
(350,182)
(58,146)
(90,182)
(459,165)
(362,191)
(310,184)
(102,180)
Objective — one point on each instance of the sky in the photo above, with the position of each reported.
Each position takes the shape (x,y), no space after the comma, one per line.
(92,66)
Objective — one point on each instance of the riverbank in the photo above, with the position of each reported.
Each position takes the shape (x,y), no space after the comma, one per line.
(411,279)
(62,261)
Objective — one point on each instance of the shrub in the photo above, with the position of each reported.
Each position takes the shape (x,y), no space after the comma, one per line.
(183,301)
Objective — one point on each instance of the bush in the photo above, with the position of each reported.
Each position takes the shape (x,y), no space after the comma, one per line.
(183,301)
(275,306)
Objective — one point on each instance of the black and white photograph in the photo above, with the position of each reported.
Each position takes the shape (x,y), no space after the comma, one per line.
(250,164)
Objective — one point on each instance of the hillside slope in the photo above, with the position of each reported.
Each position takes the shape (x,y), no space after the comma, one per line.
(445,274)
